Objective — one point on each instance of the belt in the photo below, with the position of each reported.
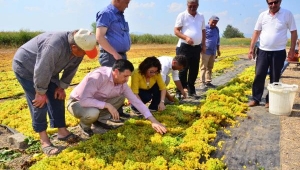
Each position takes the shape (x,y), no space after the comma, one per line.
(192,45)
(121,53)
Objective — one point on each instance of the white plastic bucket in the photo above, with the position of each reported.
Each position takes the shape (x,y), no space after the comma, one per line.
(281,98)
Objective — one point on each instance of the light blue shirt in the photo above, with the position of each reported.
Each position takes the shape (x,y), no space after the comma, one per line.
(212,40)
(117,28)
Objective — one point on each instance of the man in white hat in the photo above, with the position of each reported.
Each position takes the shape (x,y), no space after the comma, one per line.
(37,65)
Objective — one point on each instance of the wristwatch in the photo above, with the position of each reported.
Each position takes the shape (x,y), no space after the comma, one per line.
(162,101)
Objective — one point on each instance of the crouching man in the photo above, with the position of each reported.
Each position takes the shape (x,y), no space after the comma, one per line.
(99,97)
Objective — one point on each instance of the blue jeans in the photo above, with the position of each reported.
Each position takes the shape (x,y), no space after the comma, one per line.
(108,60)
(54,107)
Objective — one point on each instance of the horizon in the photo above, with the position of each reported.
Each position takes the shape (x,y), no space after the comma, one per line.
(144,17)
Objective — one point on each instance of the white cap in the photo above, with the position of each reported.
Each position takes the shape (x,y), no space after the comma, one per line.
(86,40)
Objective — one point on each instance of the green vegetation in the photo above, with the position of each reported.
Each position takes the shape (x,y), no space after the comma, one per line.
(15,39)
(232,32)
(8,155)
(153,39)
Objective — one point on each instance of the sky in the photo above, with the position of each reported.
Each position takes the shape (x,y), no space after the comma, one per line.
(155,17)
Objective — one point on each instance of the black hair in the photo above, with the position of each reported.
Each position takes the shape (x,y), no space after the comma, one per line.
(123,65)
(148,63)
(181,60)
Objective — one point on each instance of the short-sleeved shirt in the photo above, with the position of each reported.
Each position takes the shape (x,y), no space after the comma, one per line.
(117,28)
(273,36)
(98,86)
(192,26)
(212,39)
(138,81)
(166,68)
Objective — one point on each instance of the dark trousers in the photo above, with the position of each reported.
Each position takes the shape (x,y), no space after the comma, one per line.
(189,74)
(153,95)
(265,60)
(108,60)
(54,107)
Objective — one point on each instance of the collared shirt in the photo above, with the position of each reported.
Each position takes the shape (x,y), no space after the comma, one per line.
(117,28)
(42,59)
(166,68)
(192,26)
(212,40)
(98,86)
(138,81)
(273,36)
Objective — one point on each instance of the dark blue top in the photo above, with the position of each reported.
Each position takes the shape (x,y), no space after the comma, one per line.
(117,28)
(212,40)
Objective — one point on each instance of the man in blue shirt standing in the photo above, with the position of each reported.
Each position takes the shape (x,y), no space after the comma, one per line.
(208,58)
(112,33)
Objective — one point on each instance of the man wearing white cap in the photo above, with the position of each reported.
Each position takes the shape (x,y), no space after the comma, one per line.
(211,53)
(37,65)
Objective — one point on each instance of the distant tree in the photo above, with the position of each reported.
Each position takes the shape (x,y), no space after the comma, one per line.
(231,32)
(93,27)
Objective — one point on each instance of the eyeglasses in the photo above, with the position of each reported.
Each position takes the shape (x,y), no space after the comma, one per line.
(275,2)
(153,72)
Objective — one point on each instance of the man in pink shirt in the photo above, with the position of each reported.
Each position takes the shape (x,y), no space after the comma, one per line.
(98,97)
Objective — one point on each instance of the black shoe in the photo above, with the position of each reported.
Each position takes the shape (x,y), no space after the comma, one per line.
(124,115)
(178,95)
(193,95)
(210,85)
(87,132)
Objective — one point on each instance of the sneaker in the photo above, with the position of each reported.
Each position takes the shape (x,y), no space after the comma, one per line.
(86,132)
(202,86)
(210,85)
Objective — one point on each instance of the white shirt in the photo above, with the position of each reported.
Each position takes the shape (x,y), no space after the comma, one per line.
(166,68)
(273,36)
(191,26)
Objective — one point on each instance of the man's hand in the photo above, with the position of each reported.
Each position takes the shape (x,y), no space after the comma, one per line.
(250,55)
(203,50)
(189,40)
(157,126)
(117,56)
(60,93)
(218,53)
(161,106)
(40,100)
(112,110)
(291,54)
(184,94)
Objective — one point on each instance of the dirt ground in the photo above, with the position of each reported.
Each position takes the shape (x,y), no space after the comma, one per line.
(262,141)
